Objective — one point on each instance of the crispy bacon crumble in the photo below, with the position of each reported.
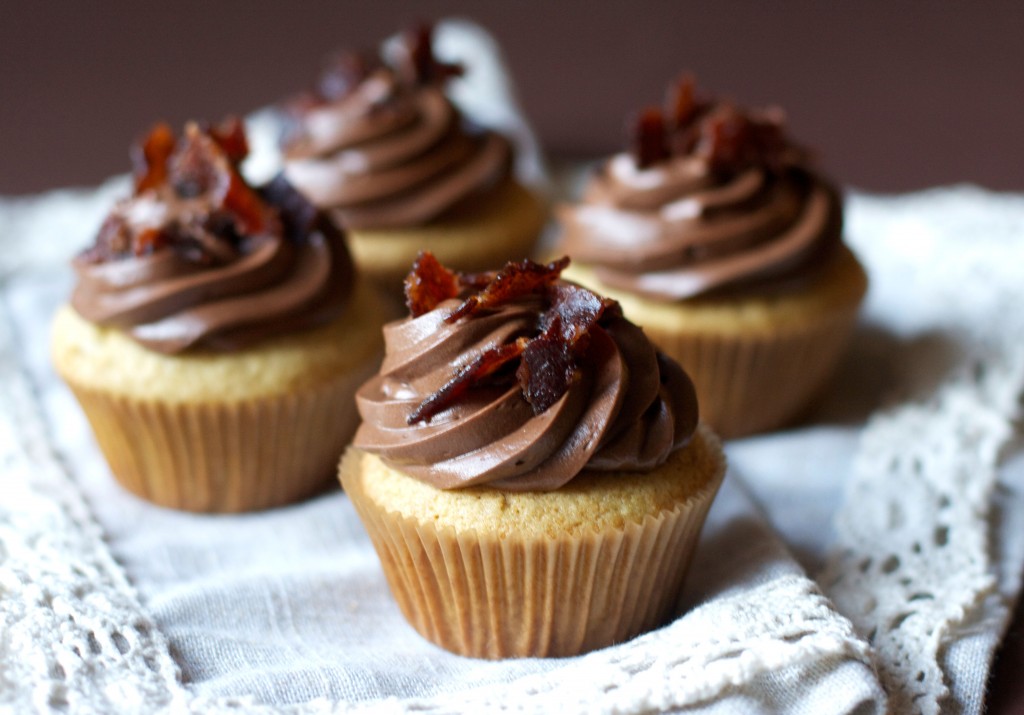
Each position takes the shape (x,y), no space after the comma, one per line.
(203,163)
(547,359)
(730,139)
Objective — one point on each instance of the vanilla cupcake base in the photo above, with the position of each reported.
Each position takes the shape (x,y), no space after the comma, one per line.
(223,432)
(755,361)
(481,232)
(497,574)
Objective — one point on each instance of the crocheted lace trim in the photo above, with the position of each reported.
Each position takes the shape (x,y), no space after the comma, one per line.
(913,567)
(72,632)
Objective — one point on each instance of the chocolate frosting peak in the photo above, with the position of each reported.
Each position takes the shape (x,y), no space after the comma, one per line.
(712,198)
(626,406)
(196,258)
(390,149)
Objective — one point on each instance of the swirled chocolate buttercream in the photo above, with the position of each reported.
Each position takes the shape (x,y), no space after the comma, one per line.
(711,198)
(380,145)
(519,380)
(197,258)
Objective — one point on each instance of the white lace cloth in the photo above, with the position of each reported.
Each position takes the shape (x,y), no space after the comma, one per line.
(902,495)
(288,608)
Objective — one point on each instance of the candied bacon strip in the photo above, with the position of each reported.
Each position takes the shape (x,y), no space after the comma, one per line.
(466,377)
(547,360)
(198,166)
(513,281)
(576,311)
(428,284)
(547,368)
(230,136)
(203,166)
(150,157)
(649,140)
(681,102)
(732,140)
(417,63)
(251,214)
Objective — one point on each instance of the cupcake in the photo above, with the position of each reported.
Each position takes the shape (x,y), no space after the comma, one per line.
(381,147)
(217,332)
(529,468)
(720,236)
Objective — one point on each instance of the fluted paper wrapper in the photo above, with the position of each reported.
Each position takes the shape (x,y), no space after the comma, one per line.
(754,383)
(487,596)
(228,456)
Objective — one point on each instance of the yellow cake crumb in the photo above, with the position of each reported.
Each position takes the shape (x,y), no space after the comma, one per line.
(104,358)
(592,501)
(481,233)
(839,287)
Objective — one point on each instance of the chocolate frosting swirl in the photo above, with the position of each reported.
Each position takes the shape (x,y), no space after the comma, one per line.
(175,268)
(688,224)
(390,151)
(627,408)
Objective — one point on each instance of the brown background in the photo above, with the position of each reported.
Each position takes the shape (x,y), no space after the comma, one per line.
(895,96)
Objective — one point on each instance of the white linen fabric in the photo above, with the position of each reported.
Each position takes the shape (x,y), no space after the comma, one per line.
(902,494)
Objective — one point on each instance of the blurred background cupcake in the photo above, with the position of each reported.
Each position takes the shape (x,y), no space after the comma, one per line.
(381,147)
(217,332)
(721,238)
(529,468)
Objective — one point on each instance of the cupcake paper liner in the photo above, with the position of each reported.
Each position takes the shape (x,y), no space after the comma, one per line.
(753,383)
(224,457)
(488,596)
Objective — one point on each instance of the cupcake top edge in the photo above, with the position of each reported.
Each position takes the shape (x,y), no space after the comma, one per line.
(711,198)
(520,380)
(196,258)
(379,143)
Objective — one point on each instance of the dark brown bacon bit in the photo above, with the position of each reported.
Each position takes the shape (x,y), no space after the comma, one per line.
(649,139)
(428,284)
(547,359)
(681,102)
(148,241)
(230,137)
(548,367)
(149,158)
(469,375)
(252,216)
(203,166)
(199,166)
(513,281)
(417,64)
(577,310)
(683,110)
(729,138)
(732,140)
(204,163)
